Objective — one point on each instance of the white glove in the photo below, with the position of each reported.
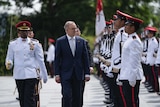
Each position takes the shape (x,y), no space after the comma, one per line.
(110,75)
(118,82)
(102,66)
(105,69)
(132,83)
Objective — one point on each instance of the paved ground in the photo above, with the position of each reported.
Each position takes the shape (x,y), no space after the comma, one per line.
(51,96)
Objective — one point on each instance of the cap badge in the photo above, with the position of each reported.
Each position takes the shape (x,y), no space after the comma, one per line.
(24,24)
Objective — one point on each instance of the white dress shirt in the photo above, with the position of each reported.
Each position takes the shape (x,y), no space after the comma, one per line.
(51,53)
(72,43)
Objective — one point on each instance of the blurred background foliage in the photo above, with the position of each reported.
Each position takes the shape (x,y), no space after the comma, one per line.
(49,21)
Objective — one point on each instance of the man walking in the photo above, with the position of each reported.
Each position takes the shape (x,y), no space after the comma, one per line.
(22,53)
(71,65)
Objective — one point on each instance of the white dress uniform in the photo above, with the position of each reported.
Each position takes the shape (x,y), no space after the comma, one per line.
(116,57)
(145,48)
(131,68)
(51,53)
(23,55)
(152,47)
(158,56)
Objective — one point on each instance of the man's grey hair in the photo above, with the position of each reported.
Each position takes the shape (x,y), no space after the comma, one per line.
(67,24)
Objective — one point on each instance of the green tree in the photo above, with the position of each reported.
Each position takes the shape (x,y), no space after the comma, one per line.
(54,13)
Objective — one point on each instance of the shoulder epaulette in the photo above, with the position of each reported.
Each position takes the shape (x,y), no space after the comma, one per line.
(134,37)
(13,39)
(35,40)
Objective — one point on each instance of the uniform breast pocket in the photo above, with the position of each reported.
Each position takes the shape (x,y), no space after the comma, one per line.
(17,52)
(31,53)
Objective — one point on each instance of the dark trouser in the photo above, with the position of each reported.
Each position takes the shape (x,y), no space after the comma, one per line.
(130,94)
(115,91)
(109,81)
(37,93)
(71,92)
(146,72)
(150,75)
(51,69)
(26,90)
(83,86)
(155,71)
(99,72)
(153,77)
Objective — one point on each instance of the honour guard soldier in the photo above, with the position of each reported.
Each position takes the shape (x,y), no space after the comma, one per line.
(104,56)
(151,71)
(157,63)
(120,37)
(50,56)
(131,72)
(22,54)
(144,40)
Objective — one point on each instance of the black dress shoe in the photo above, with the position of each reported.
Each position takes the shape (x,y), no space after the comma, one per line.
(151,90)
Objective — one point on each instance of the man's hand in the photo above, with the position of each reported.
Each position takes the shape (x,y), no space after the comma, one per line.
(8,65)
(91,69)
(58,79)
(87,79)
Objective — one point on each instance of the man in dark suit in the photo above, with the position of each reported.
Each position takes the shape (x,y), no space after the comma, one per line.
(71,65)
(78,33)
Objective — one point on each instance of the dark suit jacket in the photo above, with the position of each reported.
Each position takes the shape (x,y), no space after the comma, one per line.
(66,63)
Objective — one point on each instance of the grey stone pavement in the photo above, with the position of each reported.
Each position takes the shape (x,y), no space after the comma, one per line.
(51,94)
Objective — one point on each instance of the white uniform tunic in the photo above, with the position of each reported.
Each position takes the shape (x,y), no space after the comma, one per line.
(158,56)
(25,57)
(145,48)
(51,53)
(131,68)
(120,38)
(152,47)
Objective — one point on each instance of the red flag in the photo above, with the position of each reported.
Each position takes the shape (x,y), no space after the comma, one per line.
(100,18)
